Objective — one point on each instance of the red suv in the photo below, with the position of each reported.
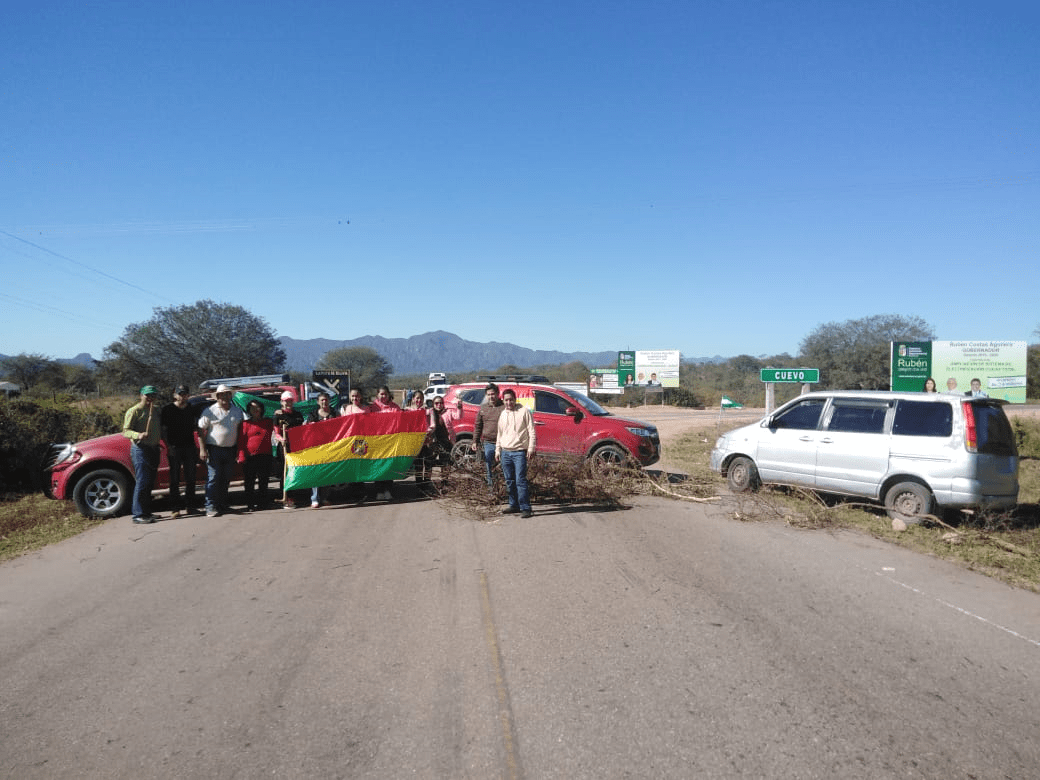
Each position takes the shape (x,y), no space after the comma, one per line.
(566,421)
(98,474)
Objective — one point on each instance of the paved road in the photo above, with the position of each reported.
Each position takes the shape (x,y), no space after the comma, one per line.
(666,640)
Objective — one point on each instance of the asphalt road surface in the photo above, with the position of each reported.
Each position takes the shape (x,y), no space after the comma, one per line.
(667,640)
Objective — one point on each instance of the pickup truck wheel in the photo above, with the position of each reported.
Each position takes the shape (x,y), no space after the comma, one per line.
(102,493)
(462,456)
(909,502)
(742,475)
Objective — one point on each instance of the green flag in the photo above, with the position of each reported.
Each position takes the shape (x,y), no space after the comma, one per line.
(729,403)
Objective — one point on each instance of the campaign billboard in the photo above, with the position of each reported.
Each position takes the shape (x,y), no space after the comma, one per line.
(657,367)
(1000,367)
(605,381)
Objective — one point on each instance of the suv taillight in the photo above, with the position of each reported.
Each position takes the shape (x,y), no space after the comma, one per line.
(971,439)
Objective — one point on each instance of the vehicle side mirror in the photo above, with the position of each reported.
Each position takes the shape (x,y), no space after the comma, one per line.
(575,412)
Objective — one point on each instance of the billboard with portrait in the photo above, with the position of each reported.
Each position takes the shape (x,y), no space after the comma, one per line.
(657,367)
(999,367)
(605,381)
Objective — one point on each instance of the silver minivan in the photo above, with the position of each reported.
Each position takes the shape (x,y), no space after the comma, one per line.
(920,453)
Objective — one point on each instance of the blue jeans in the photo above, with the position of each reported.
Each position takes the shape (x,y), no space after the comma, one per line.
(218,468)
(489,463)
(514,468)
(146,463)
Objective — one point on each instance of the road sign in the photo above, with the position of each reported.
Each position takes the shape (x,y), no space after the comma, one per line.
(801,375)
(337,380)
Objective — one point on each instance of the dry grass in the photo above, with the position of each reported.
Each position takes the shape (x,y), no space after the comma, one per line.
(31,522)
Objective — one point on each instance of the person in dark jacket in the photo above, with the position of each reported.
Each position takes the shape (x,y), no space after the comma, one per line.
(485,429)
(179,422)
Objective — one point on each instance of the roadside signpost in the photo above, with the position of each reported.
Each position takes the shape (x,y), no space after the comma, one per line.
(802,376)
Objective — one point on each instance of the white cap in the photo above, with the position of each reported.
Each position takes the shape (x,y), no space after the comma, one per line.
(223,389)
(288,395)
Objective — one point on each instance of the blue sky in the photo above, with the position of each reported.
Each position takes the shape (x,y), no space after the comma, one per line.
(718,178)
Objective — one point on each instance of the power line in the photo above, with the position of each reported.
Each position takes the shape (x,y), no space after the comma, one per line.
(84,265)
(42,307)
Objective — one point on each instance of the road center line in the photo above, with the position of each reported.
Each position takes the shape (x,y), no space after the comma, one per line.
(505,709)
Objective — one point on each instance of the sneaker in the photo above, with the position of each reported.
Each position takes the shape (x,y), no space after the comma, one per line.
(145,519)
(526,514)
(315,505)
(510,510)
(212,513)
(289,504)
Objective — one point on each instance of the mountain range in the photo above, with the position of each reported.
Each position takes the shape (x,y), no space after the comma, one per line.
(439,351)
(435,351)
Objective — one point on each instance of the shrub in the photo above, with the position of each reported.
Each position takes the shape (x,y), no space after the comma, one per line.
(29,426)
(683,396)
(1027,436)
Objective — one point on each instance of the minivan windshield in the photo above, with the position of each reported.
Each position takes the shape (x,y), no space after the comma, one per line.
(591,406)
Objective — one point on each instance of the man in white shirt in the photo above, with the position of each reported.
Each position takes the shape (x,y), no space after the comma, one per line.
(515,444)
(219,428)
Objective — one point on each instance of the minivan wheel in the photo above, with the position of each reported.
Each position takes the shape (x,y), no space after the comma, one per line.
(742,475)
(102,493)
(908,501)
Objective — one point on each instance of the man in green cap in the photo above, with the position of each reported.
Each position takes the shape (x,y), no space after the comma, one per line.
(141,425)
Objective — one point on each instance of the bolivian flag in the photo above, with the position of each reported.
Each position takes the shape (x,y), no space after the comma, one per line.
(355,448)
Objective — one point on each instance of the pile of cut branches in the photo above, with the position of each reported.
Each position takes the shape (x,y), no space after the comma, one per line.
(570,481)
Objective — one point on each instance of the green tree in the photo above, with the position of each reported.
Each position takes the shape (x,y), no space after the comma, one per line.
(32,370)
(1033,371)
(368,369)
(190,343)
(855,354)
(78,379)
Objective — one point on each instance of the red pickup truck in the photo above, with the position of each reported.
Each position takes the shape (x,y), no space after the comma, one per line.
(98,474)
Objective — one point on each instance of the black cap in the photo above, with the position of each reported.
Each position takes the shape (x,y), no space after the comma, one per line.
(181,390)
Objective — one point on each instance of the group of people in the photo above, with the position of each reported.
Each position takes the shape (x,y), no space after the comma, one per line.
(226,435)
(951,387)
(218,430)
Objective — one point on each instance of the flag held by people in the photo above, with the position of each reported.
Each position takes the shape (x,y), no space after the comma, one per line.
(354,448)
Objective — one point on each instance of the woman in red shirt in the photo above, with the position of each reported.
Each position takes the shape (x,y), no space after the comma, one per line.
(254,453)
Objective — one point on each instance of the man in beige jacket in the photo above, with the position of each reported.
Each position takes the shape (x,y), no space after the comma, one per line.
(515,444)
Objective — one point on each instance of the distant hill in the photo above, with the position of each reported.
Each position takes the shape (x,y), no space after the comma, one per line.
(438,351)
(82,359)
